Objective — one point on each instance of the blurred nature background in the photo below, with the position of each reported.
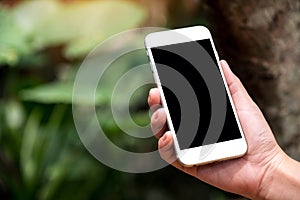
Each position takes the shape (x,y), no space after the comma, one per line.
(42,44)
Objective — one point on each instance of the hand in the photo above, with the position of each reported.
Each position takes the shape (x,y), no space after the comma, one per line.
(250,175)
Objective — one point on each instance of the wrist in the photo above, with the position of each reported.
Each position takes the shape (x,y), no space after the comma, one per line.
(281,180)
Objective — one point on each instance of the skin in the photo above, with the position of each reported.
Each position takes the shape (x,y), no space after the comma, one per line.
(259,174)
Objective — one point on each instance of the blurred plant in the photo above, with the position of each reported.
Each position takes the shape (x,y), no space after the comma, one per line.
(41,43)
(80,25)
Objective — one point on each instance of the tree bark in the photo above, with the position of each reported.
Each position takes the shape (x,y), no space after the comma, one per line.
(260,40)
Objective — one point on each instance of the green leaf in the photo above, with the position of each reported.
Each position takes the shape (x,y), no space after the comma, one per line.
(49,93)
(18,26)
(60,92)
(29,166)
(12,40)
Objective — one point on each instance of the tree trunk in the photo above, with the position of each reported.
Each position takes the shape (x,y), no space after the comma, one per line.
(260,40)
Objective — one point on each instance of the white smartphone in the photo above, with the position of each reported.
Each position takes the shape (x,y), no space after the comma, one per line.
(194,93)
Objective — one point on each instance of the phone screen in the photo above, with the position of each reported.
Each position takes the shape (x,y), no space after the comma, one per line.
(195,94)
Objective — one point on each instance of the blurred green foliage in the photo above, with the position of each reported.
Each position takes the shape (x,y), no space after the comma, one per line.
(33,25)
(42,44)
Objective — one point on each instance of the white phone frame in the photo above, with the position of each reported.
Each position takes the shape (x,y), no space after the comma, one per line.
(214,152)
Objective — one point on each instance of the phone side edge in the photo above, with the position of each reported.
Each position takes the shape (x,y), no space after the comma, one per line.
(163,100)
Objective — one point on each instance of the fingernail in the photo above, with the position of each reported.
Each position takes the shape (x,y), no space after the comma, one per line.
(151,91)
(164,139)
(149,95)
(225,62)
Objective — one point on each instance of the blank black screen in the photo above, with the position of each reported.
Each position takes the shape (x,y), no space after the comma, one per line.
(171,56)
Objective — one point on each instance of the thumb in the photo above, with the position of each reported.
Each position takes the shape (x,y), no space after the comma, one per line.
(240,96)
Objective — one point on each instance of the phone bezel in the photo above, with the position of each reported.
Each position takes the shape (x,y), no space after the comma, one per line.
(213,152)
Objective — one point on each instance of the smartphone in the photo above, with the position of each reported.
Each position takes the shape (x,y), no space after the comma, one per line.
(200,112)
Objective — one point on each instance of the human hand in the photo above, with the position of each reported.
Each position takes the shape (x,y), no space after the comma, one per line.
(249,175)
